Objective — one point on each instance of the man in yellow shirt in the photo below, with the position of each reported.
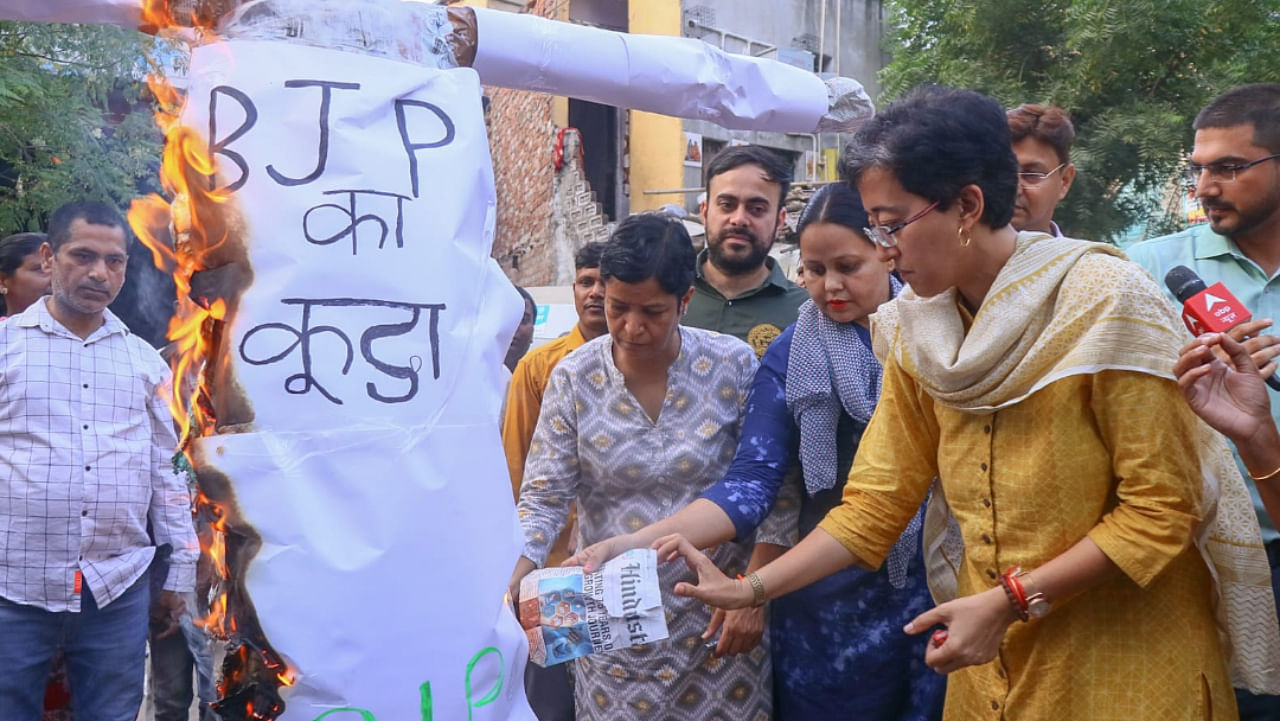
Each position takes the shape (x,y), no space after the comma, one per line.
(548,688)
(524,397)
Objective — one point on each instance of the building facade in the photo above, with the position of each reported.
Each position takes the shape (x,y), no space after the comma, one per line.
(567,169)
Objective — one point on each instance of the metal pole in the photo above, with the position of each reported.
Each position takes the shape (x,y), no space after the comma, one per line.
(822,45)
(822,33)
(816,142)
(836,51)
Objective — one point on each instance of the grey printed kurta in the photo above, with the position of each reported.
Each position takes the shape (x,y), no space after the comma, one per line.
(595,445)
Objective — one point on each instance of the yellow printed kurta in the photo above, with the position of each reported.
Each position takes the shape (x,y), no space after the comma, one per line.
(1110,455)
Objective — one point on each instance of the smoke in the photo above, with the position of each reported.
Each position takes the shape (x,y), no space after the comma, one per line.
(145,303)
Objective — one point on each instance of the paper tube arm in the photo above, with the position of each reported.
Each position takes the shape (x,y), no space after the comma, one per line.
(682,77)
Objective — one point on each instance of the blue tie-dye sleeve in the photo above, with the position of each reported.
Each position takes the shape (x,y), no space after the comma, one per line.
(766,447)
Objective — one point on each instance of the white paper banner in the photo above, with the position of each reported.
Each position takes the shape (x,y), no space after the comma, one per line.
(369,196)
(369,346)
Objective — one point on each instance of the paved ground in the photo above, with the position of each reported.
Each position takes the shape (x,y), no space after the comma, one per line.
(147,712)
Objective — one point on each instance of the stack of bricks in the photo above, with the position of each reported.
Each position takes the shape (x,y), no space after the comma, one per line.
(797,200)
(577,218)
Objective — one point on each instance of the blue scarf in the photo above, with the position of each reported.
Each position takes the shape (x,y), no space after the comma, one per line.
(829,368)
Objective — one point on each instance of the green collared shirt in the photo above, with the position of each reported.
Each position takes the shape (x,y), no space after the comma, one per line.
(1216,259)
(755,317)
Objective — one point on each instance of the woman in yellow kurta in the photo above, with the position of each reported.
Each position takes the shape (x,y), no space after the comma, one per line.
(1032,376)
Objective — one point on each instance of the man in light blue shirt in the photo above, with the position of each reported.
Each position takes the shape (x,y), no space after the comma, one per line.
(1235,166)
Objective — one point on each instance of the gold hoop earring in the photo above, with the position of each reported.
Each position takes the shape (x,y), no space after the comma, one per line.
(965,237)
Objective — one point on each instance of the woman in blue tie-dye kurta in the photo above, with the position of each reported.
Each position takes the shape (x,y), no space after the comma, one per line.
(838,647)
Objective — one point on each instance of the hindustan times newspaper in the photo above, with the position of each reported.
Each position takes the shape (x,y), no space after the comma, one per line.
(567,613)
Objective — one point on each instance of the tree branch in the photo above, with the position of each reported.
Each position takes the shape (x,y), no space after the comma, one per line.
(62,61)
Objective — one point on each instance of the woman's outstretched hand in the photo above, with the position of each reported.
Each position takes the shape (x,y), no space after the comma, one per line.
(596,555)
(975,629)
(713,587)
(523,568)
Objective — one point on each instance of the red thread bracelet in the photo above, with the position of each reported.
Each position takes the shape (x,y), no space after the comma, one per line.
(1012,576)
(1013,589)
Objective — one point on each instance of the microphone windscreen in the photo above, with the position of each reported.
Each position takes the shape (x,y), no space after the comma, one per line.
(1183,283)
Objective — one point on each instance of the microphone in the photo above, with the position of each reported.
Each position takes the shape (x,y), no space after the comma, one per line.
(1211,309)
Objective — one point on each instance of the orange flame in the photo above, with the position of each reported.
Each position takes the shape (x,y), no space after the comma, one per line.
(154,220)
(217,619)
(186,218)
(159,15)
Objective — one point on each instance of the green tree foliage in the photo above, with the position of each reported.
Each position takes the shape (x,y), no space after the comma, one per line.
(1133,74)
(75,119)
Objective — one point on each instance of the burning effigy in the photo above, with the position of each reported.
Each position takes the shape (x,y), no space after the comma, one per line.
(338,296)
(328,219)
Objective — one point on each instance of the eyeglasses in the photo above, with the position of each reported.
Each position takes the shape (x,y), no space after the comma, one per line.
(885,235)
(1222,172)
(1034,179)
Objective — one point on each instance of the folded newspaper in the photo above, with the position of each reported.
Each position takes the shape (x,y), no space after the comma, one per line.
(567,613)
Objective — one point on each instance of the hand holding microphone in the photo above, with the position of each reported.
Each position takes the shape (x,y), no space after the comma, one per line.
(1214,309)
(1228,395)
(1219,375)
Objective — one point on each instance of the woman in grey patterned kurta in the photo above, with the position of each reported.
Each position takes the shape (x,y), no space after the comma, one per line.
(596,445)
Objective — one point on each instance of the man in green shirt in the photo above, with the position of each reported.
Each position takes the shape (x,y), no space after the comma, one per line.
(1235,166)
(738,288)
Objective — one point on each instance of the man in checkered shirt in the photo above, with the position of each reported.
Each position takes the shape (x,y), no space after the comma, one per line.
(86,442)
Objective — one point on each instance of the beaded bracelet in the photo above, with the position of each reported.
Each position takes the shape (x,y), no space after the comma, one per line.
(1016,599)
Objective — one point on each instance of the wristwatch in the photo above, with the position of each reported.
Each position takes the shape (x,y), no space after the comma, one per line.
(1038,606)
(1026,605)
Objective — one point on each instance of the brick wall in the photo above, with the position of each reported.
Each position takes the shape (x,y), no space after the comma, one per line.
(521,139)
(544,214)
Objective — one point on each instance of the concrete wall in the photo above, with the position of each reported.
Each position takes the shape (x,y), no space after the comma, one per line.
(656,142)
(610,14)
(532,241)
(851,48)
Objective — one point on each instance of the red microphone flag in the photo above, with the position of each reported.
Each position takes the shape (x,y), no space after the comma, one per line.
(1213,310)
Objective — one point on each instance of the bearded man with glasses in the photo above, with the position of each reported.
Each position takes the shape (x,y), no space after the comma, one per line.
(1042,137)
(1235,171)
